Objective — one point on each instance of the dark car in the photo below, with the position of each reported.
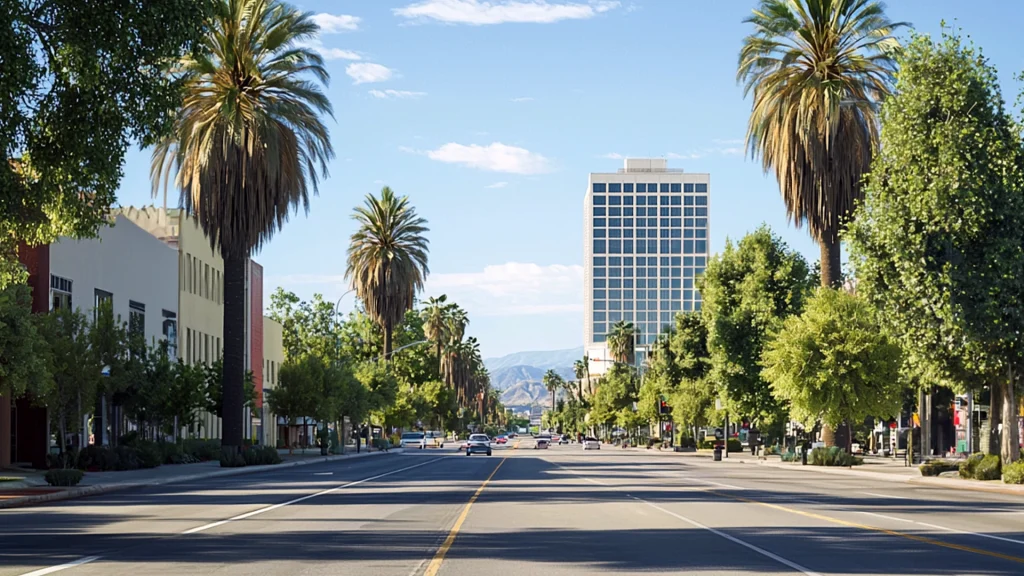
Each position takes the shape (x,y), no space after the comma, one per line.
(479,444)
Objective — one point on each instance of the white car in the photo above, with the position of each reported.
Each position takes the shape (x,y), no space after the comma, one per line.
(414,440)
(435,439)
(591,444)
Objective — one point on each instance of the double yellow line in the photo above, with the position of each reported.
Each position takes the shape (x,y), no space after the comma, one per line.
(435,564)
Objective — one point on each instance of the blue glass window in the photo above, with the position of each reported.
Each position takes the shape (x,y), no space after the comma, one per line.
(702,211)
(627,212)
(688,306)
(628,272)
(702,222)
(615,246)
(614,187)
(627,201)
(599,305)
(627,316)
(627,222)
(627,187)
(677,272)
(677,222)
(600,328)
(688,211)
(615,222)
(641,233)
(687,187)
(689,247)
(677,233)
(676,282)
(627,246)
(664,211)
(696,305)
(641,305)
(664,249)
(687,283)
(677,201)
(614,316)
(676,246)
(599,246)
(627,283)
(663,232)
(702,246)
(664,200)
(641,200)
(687,260)
(652,246)
(651,200)
(627,295)
(600,316)
(641,247)
(688,201)
(688,233)
(600,272)
(615,200)
(614,233)
(599,294)
(615,272)
(663,283)
(641,282)
(687,272)
(702,188)
(615,305)
(699,261)
(676,295)
(702,232)
(599,222)
(676,260)
(641,211)
(641,187)
(599,233)
(687,294)
(600,200)
(652,222)
(599,260)
(627,232)
(664,224)
(599,282)
(688,222)
(615,211)
(615,295)
(598,338)
(664,187)
(676,187)
(599,187)
(665,260)
(663,296)
(615,261)
(677,305)
(702,200)
(615,283)
(599,210)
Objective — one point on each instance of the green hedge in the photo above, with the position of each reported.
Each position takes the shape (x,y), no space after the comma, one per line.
(63,477)
(381,443)
(968,466)
(936,467)
(261,455)
(833,456)
(1014,473)
(990,468)
(790,457)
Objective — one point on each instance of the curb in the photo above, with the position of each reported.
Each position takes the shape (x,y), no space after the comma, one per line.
(948,483)
(107,488)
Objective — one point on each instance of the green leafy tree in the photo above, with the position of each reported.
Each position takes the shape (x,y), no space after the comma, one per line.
(440,400)
(308,327)
(616,392)
(748,290)
(816,71)
(553,382)
(622,341)
(74,370)
(298,390)
(387,259)
(247,145)
(108,337)
(214,378)
(187,396)
(81,82)
(937,243)
(833,363)
(24,357)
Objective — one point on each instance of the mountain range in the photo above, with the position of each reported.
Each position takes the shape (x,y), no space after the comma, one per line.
(520,376)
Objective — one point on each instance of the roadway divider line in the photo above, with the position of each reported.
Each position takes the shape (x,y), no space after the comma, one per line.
(435,564)
(205,527)
(52,569)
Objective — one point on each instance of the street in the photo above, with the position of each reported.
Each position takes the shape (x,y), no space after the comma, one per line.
(555,512)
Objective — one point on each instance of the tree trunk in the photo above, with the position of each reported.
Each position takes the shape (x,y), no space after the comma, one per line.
(828,435)
(992,444)
(387,340)
(1010,445)
(5,431)
(926,425)
(234,354)
(831,264)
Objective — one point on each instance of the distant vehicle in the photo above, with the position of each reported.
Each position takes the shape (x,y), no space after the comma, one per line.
(555,437)
(591,444)
(563,440)
(478,443)
(513,435)
(434,439)
(542,443)
(414,440)
(545,436)
(501,439)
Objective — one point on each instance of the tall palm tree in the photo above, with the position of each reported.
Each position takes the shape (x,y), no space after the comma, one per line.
(247,145)
(387,259)
(435,326)
(622,341)
(553,382)
(817,70)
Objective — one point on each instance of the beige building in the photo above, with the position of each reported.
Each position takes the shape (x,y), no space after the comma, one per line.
(273,357)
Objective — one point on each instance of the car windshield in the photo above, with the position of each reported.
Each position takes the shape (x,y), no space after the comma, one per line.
(412,436)
(479,438)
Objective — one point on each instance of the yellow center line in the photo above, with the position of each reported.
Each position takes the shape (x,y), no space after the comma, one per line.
(922,539)
(435,564)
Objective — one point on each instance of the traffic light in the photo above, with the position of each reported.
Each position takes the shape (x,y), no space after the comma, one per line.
(663,407)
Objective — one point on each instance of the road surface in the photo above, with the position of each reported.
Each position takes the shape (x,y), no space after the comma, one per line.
(555,512)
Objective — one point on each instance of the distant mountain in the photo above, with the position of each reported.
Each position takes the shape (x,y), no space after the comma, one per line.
(505,378)
(557,359)
(527,393)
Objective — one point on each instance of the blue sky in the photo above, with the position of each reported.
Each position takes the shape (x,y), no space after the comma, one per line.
(490,115)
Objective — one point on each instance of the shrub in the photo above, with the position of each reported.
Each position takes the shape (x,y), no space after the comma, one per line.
(936,467)
(833,456)
(381,443)
(734,445)
(127,458)
(705,444)
(129,439)
(68,459)
(1014,473)
(202,450)
(171,453)
(687,442)
(232,460)
(63,477)
(261,455)
(967,467)
(99,458)
(790,457)
(149,454)
(989,468)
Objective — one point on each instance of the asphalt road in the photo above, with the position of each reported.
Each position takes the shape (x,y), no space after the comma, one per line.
(553,512)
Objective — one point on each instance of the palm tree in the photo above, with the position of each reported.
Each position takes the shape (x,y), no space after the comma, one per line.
(817,70)
(435,327)
(387,259)
(622,341)
(247,145)
(553,382)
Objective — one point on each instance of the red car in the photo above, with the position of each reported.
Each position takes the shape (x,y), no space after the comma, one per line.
(554,438)
(501,440)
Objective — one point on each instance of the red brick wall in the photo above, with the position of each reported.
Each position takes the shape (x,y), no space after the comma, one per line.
(256,328)
(37,260)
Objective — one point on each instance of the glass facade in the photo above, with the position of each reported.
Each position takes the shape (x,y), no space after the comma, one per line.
(649,244)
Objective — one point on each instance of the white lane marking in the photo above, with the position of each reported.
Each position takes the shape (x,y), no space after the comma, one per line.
(759,550)
(886,496)
(302,499)
(323,473)
(887,517)
(711,483)
(956,531)
(72,564)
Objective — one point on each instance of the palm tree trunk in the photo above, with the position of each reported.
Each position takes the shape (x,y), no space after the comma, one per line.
(831,263)
(387,340)
(1010,444)
(234,353)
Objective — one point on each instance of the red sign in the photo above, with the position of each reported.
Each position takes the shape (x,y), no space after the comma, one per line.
(892,425)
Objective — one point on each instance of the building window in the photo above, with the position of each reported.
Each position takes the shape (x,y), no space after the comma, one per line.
(663,187)
(702,200)
(600,305)
(600,316)
(702,188)
(599,187)
(100,298)
(599,211)
(701,246)
(641,188)
(599,294)
(206,282)
(136,318)
(599,260)
(599,247)
(600,233)
(687,187)
(600,282)
(60,289)
(675,187)
(614,188)
(170,331)
(615,211)
(600,200)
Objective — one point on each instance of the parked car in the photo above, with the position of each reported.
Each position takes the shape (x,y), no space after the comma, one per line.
(478,443)
(542,443)
(414,440)
(435,439)
(591,444)
(563,440)
(501,439)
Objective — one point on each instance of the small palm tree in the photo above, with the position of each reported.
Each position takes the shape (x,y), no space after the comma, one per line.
(435,327)
(817,70)
(622,341)
(247,146)
(387,259)
(552,382)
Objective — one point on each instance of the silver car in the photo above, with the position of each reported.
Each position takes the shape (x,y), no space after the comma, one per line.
(414,440)
(478,443)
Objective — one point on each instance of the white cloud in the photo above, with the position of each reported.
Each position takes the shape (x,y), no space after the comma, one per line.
(523,99)
(731,151)
(329,53)
(495,157)
(510,289)
(498,185)
(613,156)
(689,156)
(367,72)
(482,12)
(396,94)
(335,23)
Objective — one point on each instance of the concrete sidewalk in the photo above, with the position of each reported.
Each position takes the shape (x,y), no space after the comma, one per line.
(103,482)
